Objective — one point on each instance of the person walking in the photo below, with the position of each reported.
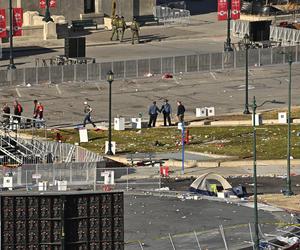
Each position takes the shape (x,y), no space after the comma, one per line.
(35,112)
(153,113)
(180,111)
(121,28)
(87,115)
(114,27)
(18,109)
(166,109)
(135,28)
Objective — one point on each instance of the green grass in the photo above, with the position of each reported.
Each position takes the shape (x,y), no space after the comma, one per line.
(232,141)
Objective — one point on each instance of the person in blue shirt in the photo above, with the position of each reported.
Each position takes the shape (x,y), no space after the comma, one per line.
(153,113)
(166,109)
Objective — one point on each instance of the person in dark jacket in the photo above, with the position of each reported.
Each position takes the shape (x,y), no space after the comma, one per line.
(17,111)
(153,112)
(6,114)
(180,111)
(166,109)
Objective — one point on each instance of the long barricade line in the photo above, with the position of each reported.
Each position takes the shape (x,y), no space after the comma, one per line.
(139,68)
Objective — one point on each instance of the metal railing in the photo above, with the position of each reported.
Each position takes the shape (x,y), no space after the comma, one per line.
(168,15)
(142,67)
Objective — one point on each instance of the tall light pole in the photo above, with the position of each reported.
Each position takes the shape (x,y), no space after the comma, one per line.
(110,79)
(47,17)
(183,147)
(247,43)
(227,45)
(11,32)
(288,190)
(254,106)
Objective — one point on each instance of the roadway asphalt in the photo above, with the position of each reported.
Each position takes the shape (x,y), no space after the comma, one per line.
(224,90)
(150,220)
(156,41)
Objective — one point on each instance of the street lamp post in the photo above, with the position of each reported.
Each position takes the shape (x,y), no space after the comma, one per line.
(110,79)
(254,106)
(246,42)
(11,31)
(47,17)
(288,190)
(183,147)
(227,45)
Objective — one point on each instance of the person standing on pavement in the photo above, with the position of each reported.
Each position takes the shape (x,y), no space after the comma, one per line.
(135,28)
(180,111)
(40,111)
(17,111)
(114,27)
(6,114)
(166,109)
(153,113)
(87,115)
(121,28)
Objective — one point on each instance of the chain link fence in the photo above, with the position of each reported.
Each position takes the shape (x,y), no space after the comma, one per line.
(142,67)
(84,175)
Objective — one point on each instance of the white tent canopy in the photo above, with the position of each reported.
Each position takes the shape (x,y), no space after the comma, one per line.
(201,183)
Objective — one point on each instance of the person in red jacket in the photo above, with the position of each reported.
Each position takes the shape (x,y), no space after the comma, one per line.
(40,111)
(18,111)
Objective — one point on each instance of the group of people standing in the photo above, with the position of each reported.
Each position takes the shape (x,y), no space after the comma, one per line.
(38,111)
(119,26)
(166,110)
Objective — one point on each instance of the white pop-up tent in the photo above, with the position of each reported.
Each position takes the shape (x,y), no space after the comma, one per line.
(203,185)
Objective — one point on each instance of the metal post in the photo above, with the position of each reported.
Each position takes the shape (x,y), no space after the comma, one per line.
(246,111)
(47,17)
(11,30)
(109,152)
(227,46)
(289,191)
(183,144)
(256,236)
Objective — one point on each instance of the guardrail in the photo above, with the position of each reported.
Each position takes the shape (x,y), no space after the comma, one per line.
(139,68)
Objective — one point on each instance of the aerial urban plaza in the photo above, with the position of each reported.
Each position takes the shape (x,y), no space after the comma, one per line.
(150,124)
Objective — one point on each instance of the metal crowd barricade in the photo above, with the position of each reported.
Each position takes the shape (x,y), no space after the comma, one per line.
(168,15)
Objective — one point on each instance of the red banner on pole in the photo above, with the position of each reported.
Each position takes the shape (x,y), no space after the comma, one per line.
(42,4)
(17,21)
(3,32)
(222,10)
(235,9)
(52,4)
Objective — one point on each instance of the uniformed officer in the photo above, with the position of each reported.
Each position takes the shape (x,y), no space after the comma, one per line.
(114,25)
(135,28)
(121,27)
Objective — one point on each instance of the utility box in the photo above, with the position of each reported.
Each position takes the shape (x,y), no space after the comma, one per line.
(109,177)
(113,147)
(8,182)
(136,123)
(210,111)
(42,186)
(282,118)
(201,112)
(119,123)
(62,185)
(83,135)
(258,119)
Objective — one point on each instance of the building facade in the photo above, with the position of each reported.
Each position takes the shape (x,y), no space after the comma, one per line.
(88,9)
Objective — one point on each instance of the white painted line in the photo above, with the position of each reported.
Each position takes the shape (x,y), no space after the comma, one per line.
(213,75)
(58,89)
(18,92)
